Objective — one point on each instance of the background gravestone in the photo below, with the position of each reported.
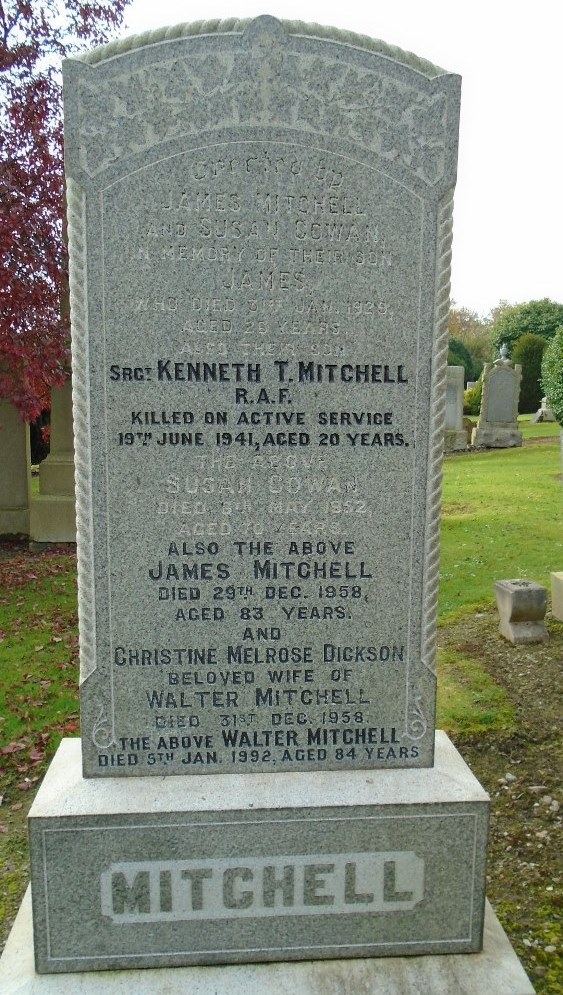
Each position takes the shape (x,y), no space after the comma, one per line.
(52,511)
(15,475)
(455,437)
(497,426)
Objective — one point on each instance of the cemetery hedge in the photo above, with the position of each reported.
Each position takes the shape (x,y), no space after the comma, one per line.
(499,702)
(552,374)
(528,352)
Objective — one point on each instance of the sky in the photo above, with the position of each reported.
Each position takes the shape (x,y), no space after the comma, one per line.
(508,215)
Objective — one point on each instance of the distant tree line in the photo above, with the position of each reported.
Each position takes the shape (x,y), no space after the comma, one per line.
(526,329)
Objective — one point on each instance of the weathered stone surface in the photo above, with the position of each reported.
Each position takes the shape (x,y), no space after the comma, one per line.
(259,220)
(236,869)
(557,595)
(497,426)
(15,472)
(521,606)
(495,969)
(455,438)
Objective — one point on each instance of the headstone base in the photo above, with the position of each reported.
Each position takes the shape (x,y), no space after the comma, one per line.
(495,438)
(496,969)
(455,441)
(52,518)
(239,868)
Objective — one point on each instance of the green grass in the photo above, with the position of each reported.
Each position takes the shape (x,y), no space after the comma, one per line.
(39,660)
(468,700)
(502,518)
(541,430)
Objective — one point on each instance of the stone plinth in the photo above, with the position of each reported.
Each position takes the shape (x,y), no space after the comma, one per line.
(241,868)
(53,517)
(557,595)
(15,472)
(495,969)
(521,606)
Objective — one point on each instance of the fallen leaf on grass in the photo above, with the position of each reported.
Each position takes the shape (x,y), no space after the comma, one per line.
(3,829)
(16,806)
(12,748)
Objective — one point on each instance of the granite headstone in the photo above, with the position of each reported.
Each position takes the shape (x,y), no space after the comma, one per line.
(259,221)
(260,225)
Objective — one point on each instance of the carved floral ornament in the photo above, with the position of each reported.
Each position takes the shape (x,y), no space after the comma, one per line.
(259,86)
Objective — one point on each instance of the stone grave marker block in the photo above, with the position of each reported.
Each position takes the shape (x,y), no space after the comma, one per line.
(521,606)
(455,438)
(259,294)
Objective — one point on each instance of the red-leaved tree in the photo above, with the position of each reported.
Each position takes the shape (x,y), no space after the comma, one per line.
(34,333)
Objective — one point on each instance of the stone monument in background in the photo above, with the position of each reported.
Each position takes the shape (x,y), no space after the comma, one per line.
(260,230)
(52,511)
(497,426)
(455,435)
(15,472)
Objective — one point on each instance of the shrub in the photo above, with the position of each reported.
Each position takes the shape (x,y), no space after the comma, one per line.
(552,374)
(472,399)
(459,355)
(528,352)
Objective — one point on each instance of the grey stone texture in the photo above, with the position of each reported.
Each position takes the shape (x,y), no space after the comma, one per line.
(260,225)
(521,606)
(15,472)
(52,511)
(314,865)
(496,969)
(497,426)
(455,437)
(557,595)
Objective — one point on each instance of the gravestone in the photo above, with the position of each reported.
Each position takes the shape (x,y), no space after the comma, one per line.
(52,511)
(455,437)
(265,405)
(15,472)
(544,413)
(497,426)
(259,225)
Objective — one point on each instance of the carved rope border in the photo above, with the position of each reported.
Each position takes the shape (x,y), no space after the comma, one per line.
(431,578)
(239,26)
(76,207)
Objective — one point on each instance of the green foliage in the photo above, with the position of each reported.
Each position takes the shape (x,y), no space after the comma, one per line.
(474,332)
(528,352)
(552,374)
(472,399)
(511,321)
(459,355)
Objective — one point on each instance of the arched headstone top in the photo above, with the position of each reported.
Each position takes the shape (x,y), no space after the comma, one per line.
(177,84)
